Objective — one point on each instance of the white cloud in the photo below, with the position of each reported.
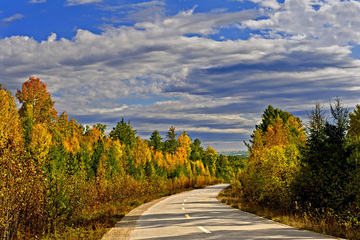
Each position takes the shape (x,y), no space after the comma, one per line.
(80,2)
(155,74)
(37,1)
(326,23)
(13,18)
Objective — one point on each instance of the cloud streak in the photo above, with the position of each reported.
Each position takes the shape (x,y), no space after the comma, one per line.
(12,18)
(80,2)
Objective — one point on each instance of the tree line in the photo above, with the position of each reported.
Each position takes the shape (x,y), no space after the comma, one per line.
(309,171)
(54,172)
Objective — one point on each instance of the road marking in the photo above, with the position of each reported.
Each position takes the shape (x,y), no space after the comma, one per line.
(187,216)
(204,230)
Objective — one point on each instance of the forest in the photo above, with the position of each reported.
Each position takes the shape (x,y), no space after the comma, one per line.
(62,180)
(307,177)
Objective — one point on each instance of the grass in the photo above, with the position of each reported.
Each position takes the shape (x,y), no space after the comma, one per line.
(322,222)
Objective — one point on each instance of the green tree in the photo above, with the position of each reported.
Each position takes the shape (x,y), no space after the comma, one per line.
(170,144)
(197,151)
(125,133)
(325,168)
(155,141)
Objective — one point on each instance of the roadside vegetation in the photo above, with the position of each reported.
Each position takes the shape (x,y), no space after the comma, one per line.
(304,177)
(62,180)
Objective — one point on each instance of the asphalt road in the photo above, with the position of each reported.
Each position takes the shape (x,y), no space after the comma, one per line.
(198,215)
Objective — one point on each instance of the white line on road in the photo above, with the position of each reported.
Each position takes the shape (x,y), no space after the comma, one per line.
(204,230)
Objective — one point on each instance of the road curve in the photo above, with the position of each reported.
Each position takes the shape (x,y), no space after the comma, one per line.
(198,215)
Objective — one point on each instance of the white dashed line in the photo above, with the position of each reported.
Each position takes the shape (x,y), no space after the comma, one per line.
(204,230)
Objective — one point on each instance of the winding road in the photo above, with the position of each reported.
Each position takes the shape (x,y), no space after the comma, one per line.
(198,215)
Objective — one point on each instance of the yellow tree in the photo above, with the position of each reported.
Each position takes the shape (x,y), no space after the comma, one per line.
(141,152)
(11,140)
(274,158)
(276,134)
(184,141)
(17,172)
(40,144)
(211,159)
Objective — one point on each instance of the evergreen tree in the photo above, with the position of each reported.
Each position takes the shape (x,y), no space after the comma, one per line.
(170,144)
(155,141)
(125,133)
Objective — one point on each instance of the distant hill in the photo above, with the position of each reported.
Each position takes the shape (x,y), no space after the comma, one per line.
(235,153)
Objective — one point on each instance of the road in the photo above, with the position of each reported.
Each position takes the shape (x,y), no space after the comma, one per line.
(198,215)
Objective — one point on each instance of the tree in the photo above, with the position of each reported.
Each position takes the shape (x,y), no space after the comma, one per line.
(274,159)
(197,151)
(354,128)
(325,166)
(155,141)
(11,140)
(170,144)
(184,141)
(34,94)
(210,160)
(125,133)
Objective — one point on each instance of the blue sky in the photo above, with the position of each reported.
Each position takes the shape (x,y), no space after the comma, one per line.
(207,67)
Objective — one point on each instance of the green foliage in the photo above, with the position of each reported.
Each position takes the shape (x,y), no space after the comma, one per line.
(170,144)
(124,133)
(155,141)
(326,168)
(197,151)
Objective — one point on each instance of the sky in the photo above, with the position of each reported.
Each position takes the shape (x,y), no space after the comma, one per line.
(208,67)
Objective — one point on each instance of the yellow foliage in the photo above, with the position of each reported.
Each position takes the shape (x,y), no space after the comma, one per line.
(184,141)
(141,152)
(171,161)
(10,125)
(160,159)
(181,156)
(276,135)
(40,143)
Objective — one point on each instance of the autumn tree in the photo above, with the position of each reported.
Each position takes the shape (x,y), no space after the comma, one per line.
(34,95)
(19,193)
(274,159)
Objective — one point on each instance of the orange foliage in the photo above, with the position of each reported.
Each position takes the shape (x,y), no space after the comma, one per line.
(276,135)
(34,93)
(160,159)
